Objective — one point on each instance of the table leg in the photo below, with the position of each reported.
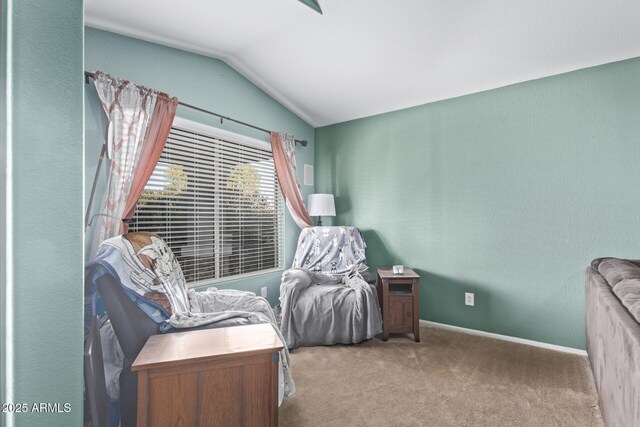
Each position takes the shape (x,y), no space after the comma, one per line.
(416,308)
(385,309)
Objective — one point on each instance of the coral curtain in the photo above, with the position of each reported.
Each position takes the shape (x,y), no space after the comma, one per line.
(156,138)
(134,143)
(284,158)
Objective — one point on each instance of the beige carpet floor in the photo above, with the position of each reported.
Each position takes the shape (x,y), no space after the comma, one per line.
(448,379)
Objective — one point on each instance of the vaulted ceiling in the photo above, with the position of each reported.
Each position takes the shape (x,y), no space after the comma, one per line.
(364,57)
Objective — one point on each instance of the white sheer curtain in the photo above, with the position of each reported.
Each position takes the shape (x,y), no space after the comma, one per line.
(129,109)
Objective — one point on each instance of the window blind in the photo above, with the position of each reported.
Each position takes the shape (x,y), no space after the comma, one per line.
(217,203)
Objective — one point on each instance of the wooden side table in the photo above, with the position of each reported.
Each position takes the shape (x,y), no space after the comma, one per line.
(211,377)
(398,296)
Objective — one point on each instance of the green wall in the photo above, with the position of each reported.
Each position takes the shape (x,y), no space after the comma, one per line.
(201,81)
(508,193)
(41,236)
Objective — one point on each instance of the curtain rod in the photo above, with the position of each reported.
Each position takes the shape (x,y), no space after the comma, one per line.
(303,142)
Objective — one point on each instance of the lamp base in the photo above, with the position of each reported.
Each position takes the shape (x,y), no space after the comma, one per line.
(319,221)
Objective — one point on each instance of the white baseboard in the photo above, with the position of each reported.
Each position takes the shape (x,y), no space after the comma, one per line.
(505,338)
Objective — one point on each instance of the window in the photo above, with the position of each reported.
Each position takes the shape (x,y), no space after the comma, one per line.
(215,199)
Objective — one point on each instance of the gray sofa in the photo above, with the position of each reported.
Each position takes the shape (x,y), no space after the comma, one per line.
(613,337)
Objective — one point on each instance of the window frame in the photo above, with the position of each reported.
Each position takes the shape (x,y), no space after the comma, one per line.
(214,132)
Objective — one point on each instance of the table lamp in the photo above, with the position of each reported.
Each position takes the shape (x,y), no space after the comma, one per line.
(321,205)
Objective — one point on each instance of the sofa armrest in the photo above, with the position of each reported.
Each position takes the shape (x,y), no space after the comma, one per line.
(613,346)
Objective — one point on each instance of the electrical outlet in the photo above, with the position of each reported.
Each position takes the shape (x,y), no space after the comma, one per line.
(263,292)
(469,299)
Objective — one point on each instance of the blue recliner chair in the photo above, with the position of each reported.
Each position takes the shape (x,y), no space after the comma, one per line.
(133,327)
(97,402)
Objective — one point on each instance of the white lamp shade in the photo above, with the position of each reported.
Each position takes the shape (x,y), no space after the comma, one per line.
(321,205)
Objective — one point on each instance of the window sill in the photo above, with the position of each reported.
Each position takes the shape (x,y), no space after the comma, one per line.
(213,282)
